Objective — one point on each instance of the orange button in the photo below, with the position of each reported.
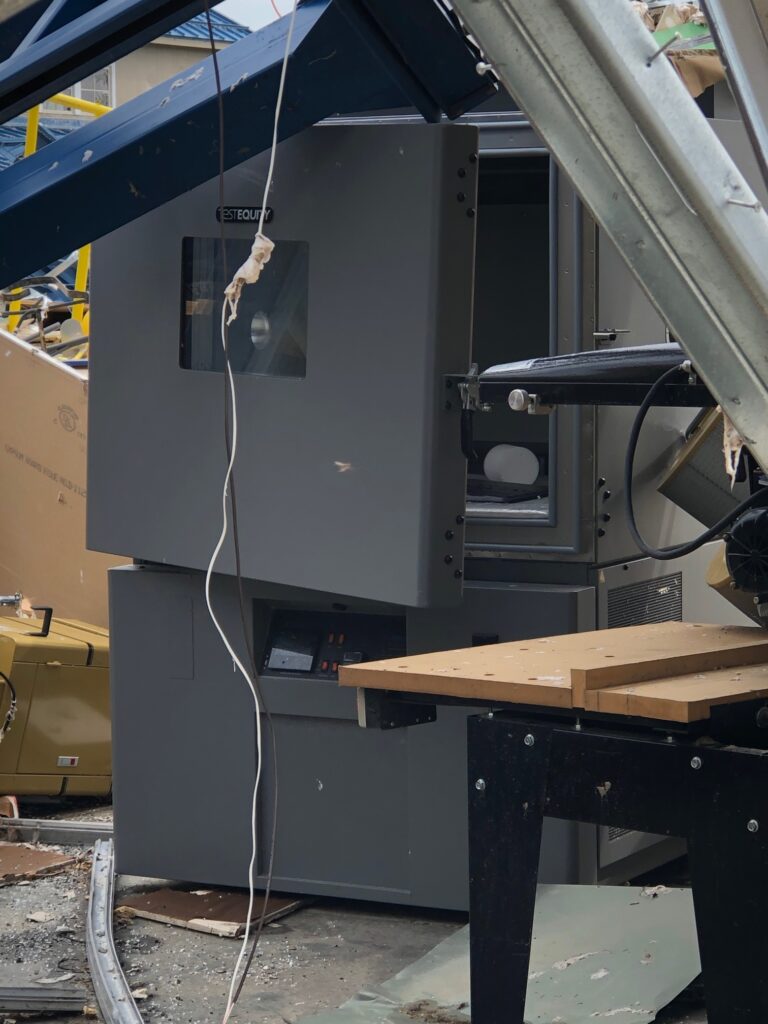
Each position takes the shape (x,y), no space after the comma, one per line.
(341,639)
(335,666)
(324,667)
(331,638)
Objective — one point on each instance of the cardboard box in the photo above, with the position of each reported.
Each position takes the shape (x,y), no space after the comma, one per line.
(43,430)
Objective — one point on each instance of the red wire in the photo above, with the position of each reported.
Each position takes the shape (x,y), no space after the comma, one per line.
(275,8)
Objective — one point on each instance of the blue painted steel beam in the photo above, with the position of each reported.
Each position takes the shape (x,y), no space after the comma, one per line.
(78,47)
(426,39)
(165,142)
(56,14)
(13,27)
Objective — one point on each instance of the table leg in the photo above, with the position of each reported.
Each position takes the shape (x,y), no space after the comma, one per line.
(508,766)
(728,855)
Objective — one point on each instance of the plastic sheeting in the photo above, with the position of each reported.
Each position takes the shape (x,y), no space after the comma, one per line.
(618,954)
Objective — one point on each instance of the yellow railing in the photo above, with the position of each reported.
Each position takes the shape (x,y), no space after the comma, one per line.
(30,146)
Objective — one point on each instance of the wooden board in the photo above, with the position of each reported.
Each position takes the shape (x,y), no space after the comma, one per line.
(23,862)
(215,911)
(581,670)
(682,698)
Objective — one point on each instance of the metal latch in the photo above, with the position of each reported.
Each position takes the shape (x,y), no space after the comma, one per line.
(610,334)
(469,389)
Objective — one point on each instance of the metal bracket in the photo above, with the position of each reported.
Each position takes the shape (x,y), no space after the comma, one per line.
(376,709)
(610,334)
(469,390)
(45,629)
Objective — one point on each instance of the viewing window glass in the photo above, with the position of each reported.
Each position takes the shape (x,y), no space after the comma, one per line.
(269,336)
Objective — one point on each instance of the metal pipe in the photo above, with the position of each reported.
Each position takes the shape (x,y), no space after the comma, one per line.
(66,833)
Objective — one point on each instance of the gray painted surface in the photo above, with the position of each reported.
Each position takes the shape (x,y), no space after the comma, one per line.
(366,814)
(349,478)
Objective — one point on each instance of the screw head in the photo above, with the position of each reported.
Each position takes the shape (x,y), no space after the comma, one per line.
(696,762)
(529,740)
(753,825)
(480,785)
(449,535)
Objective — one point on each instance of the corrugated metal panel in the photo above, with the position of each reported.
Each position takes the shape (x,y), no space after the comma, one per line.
(636,604)
(12,136)
(225,30)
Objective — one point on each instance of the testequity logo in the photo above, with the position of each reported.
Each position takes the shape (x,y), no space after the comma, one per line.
(242,214)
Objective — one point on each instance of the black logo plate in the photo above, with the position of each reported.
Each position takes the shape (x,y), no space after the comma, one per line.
(242,214)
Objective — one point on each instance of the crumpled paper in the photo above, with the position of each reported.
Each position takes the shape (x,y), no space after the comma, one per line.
(680,14)
(641,7)
(249,272)
(732,446)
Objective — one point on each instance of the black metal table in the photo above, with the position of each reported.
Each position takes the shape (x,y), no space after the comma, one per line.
(692,782)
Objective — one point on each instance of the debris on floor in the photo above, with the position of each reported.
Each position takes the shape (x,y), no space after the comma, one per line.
(215,911)
(9,807)
(53,1000)
(24,862)
(608,952)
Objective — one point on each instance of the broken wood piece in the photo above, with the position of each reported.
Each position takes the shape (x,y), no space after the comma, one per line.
(215,911)
(19,861)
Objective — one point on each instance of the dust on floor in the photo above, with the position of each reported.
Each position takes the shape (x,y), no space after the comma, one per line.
(313,960)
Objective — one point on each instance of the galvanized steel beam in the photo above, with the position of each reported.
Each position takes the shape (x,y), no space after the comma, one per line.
(66,833)
(741,30)
(28,999)
(113,993)
(620,122)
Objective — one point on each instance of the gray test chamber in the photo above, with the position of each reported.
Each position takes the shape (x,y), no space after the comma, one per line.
(404,252)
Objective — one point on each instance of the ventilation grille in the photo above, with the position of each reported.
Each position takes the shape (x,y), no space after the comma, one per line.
(637,604)
(617,833)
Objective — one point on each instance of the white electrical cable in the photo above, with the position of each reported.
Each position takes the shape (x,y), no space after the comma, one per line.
(225,530)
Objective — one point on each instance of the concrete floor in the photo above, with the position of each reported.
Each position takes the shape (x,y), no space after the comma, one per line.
(312,960)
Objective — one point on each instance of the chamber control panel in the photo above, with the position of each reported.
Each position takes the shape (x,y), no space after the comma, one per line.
(315,644)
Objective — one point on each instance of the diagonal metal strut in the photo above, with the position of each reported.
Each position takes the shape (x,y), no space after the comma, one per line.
(654,175)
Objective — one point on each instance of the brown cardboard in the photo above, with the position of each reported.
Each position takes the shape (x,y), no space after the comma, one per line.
(43,428)
(698,69)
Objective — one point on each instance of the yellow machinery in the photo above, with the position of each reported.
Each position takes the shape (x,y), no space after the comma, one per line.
(55,730)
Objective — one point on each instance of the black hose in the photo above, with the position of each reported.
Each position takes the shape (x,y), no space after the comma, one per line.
(11,713)
(678,550)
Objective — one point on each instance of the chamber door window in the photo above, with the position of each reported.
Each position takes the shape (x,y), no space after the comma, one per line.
(510,469)
(269,336)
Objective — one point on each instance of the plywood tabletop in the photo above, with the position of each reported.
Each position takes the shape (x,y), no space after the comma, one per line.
(673,671)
